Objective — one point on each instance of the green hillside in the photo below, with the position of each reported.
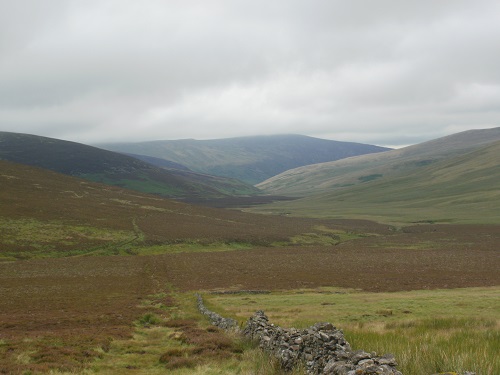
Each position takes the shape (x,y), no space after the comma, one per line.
(116,169)
(463,189)
(249,159)
(324,177)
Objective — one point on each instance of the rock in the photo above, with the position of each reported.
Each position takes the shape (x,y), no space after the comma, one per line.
(337,368)
(366,362)
(359,355)
(387,359)
(324,336)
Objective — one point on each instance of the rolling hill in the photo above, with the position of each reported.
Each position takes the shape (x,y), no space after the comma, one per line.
(346,173)
(112,168)
(458,189)
(48,214)
(162,163)
(249,159)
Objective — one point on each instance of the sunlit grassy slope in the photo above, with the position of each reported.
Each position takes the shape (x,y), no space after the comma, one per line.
(325,177)
(462,189)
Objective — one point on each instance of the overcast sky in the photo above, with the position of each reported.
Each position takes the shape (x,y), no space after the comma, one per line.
(385,72)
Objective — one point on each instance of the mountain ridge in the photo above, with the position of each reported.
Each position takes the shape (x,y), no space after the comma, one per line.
(112,168)
(251,159)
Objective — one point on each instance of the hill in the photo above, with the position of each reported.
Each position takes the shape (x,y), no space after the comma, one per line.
(460,189)
(112,168)
(324,177)
(249,159)
(46,214)
(162,163)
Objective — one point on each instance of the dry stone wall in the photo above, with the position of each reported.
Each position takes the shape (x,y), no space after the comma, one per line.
(216,319)
(322,348)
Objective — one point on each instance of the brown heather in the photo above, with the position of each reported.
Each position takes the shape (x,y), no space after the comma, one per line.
(64,313)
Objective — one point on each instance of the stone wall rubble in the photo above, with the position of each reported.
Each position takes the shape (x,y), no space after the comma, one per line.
(322,348)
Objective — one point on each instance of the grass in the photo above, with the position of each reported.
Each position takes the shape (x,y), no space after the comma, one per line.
(190,246)
(436,345)
(172,337)
(28,238)
(143,183)
(322,237)
(428,331)
(461,189)
(34,232)
(31,238)
(439,210)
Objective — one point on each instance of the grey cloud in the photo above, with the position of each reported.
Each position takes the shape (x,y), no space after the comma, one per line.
(356,70)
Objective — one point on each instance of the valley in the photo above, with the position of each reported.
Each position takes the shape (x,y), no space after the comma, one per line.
(97,278)
(249,159)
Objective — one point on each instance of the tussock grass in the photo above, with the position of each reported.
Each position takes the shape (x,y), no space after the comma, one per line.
(432,346)
(428,331)
(172,337)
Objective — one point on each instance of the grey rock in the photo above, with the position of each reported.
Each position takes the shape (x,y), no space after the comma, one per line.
(387,359)
(359,355)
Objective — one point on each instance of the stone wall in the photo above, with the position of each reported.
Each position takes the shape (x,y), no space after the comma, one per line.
(216,319)
(240,292)
(322,348)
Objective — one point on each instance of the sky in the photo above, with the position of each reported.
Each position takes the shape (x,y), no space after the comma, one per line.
(386,72)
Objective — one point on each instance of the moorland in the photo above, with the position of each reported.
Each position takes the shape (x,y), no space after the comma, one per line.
(101,279)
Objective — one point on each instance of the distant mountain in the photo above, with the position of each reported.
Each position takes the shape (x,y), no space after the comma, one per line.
(325,177)
(249,159)
(112,168)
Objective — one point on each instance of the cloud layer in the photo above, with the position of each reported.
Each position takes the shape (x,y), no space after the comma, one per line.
(385,72)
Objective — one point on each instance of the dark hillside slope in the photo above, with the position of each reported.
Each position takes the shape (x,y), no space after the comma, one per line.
(463,189)
(112,168)
(341,174)
(162,163)
(250,159)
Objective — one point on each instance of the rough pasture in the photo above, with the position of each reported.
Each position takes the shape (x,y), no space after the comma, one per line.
(56,312)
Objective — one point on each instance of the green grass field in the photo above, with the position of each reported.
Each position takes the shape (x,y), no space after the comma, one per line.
(429,331)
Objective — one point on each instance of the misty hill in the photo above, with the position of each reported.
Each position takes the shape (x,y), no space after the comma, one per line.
(463,188)
(112,168)
(249,159)
(349,172)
